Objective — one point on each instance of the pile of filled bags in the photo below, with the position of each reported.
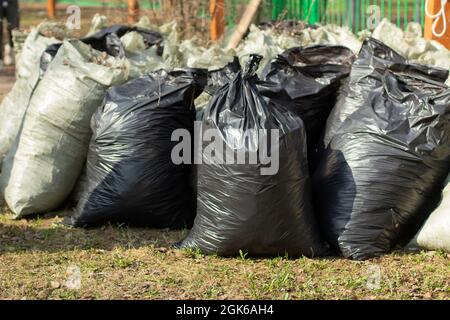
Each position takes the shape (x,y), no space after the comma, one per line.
(300,147)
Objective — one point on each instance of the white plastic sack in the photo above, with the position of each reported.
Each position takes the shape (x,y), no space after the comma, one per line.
(187,53)
(261,42)
(330,35)
(322,34)
(15,103)
(142,60)
(171,54)
(144,22)
(435,234)
(98,23)
(42,168)
(210,58)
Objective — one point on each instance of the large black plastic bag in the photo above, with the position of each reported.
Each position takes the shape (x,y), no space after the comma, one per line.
(382,172)
(365,76)
(108,39)
(217,78)
(310,78)
(238,207)
(130,175)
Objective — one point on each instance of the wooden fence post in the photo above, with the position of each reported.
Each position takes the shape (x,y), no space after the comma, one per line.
(51,8)
(244,24)
(216,9)
(133,11)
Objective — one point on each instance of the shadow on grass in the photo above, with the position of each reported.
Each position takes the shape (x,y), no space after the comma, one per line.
(50,235)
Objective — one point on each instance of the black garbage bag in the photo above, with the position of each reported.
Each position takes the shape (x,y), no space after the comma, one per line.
(241,206)
(308,81)
(365,76)
(382,172)
(131,176)
(219,77)
(47,57)
(216,79)
(107,40)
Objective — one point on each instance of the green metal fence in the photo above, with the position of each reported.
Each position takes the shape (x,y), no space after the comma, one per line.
(356,14)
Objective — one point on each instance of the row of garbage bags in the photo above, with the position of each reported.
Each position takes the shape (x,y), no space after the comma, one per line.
(363,146)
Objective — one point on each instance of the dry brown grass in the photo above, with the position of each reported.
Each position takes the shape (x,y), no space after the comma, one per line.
(125,263)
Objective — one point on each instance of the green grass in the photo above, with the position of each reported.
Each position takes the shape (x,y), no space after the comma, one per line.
(126,263)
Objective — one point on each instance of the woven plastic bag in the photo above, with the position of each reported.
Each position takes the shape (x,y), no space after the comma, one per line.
(435,233)
(28,72)
(42,168)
